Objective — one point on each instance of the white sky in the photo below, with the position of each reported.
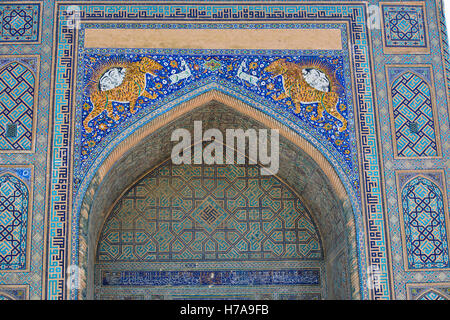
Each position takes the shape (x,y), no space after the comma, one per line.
(447,13)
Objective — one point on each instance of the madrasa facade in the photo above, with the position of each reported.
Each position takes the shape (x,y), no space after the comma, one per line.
(352,97)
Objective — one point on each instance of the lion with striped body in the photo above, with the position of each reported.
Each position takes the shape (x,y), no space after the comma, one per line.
(296,87)
(130,89)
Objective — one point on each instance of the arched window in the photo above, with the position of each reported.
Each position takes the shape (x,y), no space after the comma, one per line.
(14,199)
(424,224)
(17,86)
(413,117)
(432,295)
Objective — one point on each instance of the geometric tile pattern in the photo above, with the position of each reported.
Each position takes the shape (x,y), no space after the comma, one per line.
(424,224)
(399,276)
(404,26)
(228,216)
(17,85)
(19,23)
(208,213)
(413,117)
(253,293)
(14,200)
(224,68)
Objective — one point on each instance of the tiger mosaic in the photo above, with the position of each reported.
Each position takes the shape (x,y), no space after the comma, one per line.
(296,87)
(126,88)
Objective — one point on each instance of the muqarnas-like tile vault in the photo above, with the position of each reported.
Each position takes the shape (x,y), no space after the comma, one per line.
(90,206)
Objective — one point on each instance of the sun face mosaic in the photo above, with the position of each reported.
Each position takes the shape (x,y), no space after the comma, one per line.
(119,87)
